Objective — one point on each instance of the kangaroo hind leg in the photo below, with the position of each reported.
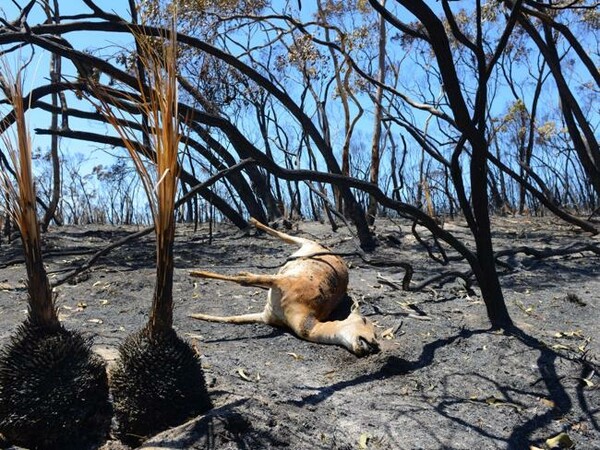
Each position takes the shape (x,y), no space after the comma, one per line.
(245,279)
(283,236)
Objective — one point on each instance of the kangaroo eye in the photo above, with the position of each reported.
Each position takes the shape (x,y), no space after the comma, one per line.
(364,320)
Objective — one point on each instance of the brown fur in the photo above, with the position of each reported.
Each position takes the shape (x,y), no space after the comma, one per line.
(302,296)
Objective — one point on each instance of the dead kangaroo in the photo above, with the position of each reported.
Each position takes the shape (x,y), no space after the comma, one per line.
(301,297)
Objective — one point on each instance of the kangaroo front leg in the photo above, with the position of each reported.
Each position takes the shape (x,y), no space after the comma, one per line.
(240,319)
(245,279)
(307,326)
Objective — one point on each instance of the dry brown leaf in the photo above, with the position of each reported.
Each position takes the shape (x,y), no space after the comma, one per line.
(588,382)
(581,427)
(522,307)
(582,348)
(561,440)
(296,356)
(194,336)
(388,333)
(569,334)
(363,441)
(493,400)
(243,375)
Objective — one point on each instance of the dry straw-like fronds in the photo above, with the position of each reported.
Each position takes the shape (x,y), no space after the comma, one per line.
(53,388)
(158,104)
(157,381)
(21,195)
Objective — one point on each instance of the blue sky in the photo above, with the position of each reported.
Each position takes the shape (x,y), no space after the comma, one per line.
(38,73)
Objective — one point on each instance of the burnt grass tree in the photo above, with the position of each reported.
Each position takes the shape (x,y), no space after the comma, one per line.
(53,388)
(158,380)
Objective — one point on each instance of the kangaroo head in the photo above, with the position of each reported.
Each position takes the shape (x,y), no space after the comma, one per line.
(359,335)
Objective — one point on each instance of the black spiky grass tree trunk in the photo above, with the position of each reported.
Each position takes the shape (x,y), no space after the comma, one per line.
(157,381)
(53,388)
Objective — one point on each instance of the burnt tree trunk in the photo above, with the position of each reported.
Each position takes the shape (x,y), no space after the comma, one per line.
(376,142)
(55,75)
(473,133)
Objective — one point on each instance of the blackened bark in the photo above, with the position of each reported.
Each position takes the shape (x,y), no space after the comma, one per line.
(377,126)
(584,140)
(473,131)
(55,76)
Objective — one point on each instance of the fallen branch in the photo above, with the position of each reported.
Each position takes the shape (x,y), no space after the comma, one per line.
(547,252)
(441,278)
(47,255)
(443,258)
